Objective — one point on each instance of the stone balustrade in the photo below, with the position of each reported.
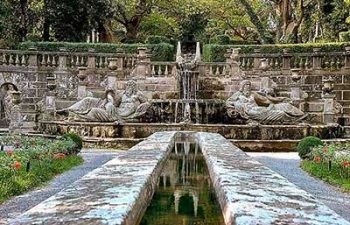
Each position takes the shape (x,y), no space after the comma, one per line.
(163,69)
(29,70)
(316,60)
(63,59)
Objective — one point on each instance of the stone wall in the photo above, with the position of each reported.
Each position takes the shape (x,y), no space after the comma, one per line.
(76,75)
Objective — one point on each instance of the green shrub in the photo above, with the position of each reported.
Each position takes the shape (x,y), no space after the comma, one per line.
(156,39)
(344,36)
(305,146)
(221,40)
(159,52)
(216,53)
(76,139)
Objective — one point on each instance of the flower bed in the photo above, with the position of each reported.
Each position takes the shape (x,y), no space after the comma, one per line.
(331,163)
(27,162)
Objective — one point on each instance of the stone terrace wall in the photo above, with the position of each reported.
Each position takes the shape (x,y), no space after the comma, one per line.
(68,76)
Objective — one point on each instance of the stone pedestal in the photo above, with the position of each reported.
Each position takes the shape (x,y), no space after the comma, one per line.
(286,60)
(232,58)
(16,120)
(329,115)
(50,100)
(91,63)
(316,59)
(295,89)
(33,58)
(62,60)
(113,65)
(257,58)
(347,57)
(82,92)
(143,66)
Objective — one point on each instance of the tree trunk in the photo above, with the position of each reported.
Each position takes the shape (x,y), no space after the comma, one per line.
(131,32)
(46,24)
(23,28)
(264,36)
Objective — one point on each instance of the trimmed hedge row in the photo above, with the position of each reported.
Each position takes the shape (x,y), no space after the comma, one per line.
(216,53)
(159,52)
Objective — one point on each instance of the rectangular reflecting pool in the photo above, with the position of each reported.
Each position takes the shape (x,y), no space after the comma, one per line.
(184,195)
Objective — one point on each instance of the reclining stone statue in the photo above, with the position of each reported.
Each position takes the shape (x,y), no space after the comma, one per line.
(128,107)
(261,108)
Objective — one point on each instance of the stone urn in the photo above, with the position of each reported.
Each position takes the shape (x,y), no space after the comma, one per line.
(112,63)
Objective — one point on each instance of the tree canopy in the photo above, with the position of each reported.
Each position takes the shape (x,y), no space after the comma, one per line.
(259,21)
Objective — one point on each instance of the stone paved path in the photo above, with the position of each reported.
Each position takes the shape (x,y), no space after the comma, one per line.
(18,205)
(287,164)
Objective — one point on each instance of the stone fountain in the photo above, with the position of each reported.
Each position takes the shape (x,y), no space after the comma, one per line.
(129,109)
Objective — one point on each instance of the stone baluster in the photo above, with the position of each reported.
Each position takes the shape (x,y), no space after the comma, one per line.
(166,71)
(153,71)
(91,62)
(210,70)
(347,57)
(82,83)
(160,70)
(316,59)
(33,58)
(23,60)
(16,120)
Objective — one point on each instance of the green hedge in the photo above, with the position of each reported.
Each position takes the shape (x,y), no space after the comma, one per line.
(156,39)
(159,52)
(216,53)
(226,40)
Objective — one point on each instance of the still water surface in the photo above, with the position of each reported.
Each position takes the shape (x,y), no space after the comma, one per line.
(184,195)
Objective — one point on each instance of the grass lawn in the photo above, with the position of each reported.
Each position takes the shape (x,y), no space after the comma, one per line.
(336,176)
(41,171)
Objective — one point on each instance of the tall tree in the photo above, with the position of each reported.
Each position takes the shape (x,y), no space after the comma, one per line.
(130,14)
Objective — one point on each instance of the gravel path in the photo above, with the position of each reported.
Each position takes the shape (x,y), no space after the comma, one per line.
(287,164)
(20,204)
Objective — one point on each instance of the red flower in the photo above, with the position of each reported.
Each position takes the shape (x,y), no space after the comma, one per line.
(346,164)
(59,156)
(325,149)
(17,145)
(317,159)
(9,152)
(17,165)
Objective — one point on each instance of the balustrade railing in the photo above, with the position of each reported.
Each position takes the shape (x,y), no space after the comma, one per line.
(163,69)
(279,61)
(216,69)
(63,59)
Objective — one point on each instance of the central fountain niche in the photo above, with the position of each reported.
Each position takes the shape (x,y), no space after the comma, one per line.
(184,194)
(188,108)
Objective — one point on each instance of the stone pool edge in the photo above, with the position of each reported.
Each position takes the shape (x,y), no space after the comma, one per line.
(51,211)
(250,193)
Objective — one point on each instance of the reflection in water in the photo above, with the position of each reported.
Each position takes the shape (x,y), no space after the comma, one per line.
(184,195)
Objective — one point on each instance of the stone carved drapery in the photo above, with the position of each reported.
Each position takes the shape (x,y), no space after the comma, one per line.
(256,107)
(129,106)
